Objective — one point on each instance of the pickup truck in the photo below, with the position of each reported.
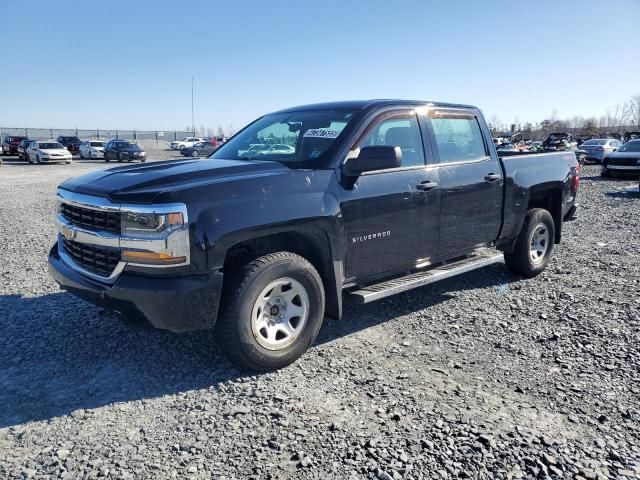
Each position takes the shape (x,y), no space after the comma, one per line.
(374,198)
(70,143)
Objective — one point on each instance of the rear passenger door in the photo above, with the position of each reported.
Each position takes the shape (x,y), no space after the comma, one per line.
(470,179)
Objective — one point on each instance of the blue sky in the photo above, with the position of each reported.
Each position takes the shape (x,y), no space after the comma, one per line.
(120,64)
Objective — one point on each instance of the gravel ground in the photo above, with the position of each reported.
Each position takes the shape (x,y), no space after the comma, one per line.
(482,376)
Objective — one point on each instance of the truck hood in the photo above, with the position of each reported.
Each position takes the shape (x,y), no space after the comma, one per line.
(142,183)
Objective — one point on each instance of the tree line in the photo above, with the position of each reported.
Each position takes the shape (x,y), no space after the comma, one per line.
(620,119)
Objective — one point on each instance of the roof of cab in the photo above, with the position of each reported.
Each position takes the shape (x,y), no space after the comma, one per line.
(368,105)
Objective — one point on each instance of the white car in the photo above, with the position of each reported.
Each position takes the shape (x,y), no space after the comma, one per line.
(186,143)
(48,151)
(92,149)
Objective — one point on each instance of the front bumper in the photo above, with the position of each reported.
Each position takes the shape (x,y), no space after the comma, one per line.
(622,168)
(56,159)
(177,304)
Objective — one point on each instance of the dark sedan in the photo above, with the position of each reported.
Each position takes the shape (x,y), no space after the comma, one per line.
(625,160)
(123,151)
(201,149)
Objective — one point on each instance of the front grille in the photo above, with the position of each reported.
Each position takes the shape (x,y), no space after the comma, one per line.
(99,260)
(91,219)
(624,161)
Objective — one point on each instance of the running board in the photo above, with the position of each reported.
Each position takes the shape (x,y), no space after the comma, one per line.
(377,291)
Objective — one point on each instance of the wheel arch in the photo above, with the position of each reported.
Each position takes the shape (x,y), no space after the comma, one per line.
(549,198)
(313,244)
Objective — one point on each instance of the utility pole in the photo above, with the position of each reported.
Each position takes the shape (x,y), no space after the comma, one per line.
(193,121)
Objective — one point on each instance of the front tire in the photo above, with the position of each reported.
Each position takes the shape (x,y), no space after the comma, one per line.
(534,246)
(604,173)
(195,154)
(272,312)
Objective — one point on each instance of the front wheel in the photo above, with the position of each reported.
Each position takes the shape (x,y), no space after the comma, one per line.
(195,153)
(604,173)
(534,246)
(272,312)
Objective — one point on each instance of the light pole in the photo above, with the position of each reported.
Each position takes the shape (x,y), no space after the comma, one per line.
(193,122)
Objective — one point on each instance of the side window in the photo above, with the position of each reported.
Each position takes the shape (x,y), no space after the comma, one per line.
(458,138)
(398,131)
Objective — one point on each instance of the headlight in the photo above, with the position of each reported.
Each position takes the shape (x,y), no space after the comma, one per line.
(152,225)
(155,239)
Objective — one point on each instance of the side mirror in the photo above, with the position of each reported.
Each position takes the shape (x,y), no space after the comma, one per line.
(375,157)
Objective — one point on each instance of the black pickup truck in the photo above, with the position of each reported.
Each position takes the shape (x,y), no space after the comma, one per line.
(360,200)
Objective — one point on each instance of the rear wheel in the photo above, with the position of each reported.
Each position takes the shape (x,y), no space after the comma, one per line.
(534,246)
(272,312)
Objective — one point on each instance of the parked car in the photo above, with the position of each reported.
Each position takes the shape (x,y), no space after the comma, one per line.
(48,151)
(598,148)
(22,150)
(123,151)
(71,143)
(625,160)
(186,142)
(10,144)
(92,149)
(559,141)
(379,197)
(203,149)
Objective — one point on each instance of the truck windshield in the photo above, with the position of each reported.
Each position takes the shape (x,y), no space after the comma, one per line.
(300,137)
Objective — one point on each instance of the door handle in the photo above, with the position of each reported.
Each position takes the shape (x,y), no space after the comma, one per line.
(427,185)
(492,177)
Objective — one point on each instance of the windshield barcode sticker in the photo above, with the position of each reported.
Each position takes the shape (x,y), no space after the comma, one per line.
(321,133)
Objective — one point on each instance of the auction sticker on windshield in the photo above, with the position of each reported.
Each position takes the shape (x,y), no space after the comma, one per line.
(321,133)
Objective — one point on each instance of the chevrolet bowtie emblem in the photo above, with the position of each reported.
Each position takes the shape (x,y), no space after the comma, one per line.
(68,233)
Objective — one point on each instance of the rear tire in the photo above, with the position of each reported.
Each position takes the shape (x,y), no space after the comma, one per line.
(605,173)
(534,246)
(259,328)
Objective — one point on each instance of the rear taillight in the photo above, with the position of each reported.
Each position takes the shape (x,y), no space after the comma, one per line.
(576,178)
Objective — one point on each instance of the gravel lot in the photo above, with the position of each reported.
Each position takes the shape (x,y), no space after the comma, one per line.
(482,376)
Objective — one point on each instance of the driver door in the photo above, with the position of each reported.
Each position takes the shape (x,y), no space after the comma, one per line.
(391,217)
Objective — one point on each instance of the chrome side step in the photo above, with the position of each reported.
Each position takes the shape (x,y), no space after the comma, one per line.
(387,288)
